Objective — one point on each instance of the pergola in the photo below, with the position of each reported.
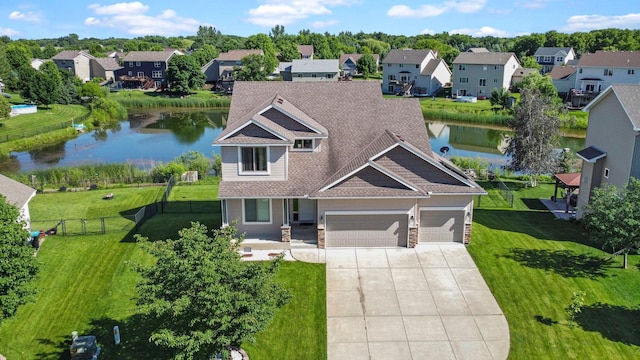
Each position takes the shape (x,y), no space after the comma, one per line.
(568,181)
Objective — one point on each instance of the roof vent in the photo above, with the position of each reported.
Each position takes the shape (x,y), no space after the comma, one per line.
(399,137)
(280,101)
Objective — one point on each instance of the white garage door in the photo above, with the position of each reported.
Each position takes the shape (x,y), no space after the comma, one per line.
(441,226)
(366,230)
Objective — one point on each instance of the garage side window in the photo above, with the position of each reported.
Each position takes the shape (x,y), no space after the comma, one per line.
(257,210)
(254,159)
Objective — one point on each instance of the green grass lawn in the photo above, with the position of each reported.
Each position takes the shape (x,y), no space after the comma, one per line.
(54,117)
(533,263)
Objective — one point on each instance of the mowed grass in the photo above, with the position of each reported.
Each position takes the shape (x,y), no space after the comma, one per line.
(87,284)
(53,117)
(533,263)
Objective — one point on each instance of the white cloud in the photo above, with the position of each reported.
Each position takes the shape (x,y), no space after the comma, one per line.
(8,32)
(133,18)
(428,32)
(21,16)
(593,22)
(285,12)
(436,10)
(483,31)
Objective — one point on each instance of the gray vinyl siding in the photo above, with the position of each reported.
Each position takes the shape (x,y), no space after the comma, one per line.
(635,162)
(277,165)
(257,231)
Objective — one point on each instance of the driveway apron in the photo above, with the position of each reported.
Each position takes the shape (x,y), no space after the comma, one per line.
(425,303)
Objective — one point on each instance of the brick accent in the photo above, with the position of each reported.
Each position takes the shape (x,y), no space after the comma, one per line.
(413,236)
(321,235)
(286,233)
(467,233)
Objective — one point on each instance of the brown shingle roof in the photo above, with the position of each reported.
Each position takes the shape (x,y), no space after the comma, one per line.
(624,59)
(488,58)
(561,72)
(355,57)
(150,55)
(237,55)
(108,63)
(359,122)
(70,55)
(406,56)
(16,193)
(305,50)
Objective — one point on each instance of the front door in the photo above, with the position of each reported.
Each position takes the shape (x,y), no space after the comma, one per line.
(304,210)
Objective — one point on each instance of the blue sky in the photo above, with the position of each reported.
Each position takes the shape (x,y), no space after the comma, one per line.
(35,19)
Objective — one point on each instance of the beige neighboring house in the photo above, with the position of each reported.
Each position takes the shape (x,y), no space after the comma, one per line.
(520,73)
(78,62)
(305,51)
(322,162)
(18,195)
(314,70)
(478,73)
(219,71)
(349,63)
(105,67)
(612,153)
(414,72)
(477,50)
(548,57)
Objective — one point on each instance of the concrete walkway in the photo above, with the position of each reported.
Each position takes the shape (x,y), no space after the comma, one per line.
(425,303)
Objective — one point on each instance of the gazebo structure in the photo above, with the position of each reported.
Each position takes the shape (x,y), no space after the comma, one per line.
(568,181)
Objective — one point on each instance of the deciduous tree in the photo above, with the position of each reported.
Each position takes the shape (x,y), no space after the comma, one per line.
(612,217)
(252,69)
(18,266)
(183,74)
(499,97)
(536,127)
(366,65)
(5,108)
(205,297)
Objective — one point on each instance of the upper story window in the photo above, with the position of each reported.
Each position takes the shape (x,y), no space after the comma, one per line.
(462,67)
(484,67)
(329,76)
(631,71)
(608,72)
(156,74)
(580,71)
(559,59)
(401,65)
(157,64)
(303,145)
(254,159)
(138,63)
(483,82)
(464,80)
(496,67)
(314,75)
(140,74)
(391,77)
(130,63)
(388,65)
(417,66)
(299,75)
(548,59)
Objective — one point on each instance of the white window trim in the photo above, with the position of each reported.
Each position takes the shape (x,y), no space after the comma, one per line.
(607,172)
(244,219)
(157,64)
(313,146)
(255,173)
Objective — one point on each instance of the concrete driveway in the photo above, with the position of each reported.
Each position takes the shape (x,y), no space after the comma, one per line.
(425,303)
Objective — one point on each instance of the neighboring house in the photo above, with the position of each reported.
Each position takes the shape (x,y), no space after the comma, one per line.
(144,69)
(477,50)
(612,153)
(564,79)
(305,51)
(78,62)
(548,57)
(520,73)
(35,63)
(18,195)
(599,70)
(340,160)
(105,67)
(219,71)
(349,63)
(313,70)
(478,73)
(283,70)
(417,72)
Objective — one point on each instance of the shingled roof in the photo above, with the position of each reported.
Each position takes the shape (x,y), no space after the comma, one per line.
(629,97)
(150,55)
(237,55)
(364,139)
(624,59)
(71,54)
(488,58)
(406,56)
(16,193)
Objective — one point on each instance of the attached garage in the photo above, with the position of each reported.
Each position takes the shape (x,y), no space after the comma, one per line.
(366,230)
(441,226)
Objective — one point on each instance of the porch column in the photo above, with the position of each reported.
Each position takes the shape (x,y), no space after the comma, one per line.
(286,233)
(413,236)
(321,235)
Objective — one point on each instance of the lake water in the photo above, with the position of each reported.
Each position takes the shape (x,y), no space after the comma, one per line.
(148,137)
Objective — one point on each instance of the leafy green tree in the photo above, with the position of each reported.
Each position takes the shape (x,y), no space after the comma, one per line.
(366,65)
(446,52)
(95,49)
(196,161)
(18,266)
(276,33)
(288,51)
(499,97)
(183,74)
(5,108)
(252,69)
(17,55)
(92,90)
(541,83)
(529,62)
(69,89)
(49,51)
(48,82)
(205,297)
(536,128)
(612,217)
(205,54)
(262,41)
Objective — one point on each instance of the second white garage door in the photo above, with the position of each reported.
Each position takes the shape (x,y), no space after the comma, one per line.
(441,226)
(366,230)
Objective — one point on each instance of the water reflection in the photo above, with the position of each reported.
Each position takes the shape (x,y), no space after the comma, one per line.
(144,139)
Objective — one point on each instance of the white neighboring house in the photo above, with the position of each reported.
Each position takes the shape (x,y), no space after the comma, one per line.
(315,70)
(417,72)
(18,195)
(548,57)
(478,73)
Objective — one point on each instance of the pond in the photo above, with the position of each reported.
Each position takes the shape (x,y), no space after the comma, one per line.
(151,136)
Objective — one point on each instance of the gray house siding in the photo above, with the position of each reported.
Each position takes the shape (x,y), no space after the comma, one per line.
(270,231)
(277,165)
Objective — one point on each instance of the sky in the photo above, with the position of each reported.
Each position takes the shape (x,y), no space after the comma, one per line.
(38,19)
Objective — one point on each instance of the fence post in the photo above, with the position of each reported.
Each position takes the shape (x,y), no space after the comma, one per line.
(104,230)
(84,226)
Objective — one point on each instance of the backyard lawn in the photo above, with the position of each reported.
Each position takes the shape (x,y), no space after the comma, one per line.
(533,263)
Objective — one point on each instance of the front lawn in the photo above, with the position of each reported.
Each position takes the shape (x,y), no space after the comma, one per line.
(533,263)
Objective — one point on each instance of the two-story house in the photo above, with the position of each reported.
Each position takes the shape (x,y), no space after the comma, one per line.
(349,63)
(548,57)
(77,62)
(18,195)
(305,51)
(478,73)
(342,160)
(417,72)
(105,68)
(599,70)
(612,153)
(219,71)
(313,70)
(145,69)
